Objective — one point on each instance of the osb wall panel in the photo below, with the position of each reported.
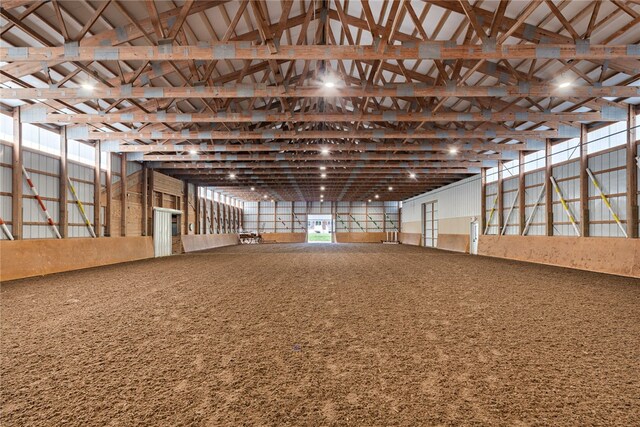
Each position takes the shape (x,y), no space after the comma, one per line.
(166,184)
(605,255)
(373,237)
(410,238)
(200,242)
(285,237)
(28,258)
(454,242)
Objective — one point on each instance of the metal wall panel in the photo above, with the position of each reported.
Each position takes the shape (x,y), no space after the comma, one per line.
(510,198)
(610,170)
(568,178)
(534,182)
(6,183)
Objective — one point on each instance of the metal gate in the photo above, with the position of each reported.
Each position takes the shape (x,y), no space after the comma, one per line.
(162,231)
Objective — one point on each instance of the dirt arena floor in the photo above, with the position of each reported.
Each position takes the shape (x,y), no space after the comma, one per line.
(324,334)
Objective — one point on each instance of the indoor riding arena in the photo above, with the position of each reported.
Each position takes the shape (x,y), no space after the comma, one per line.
(319,213)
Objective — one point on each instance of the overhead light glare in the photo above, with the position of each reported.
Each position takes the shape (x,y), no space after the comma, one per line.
(253,188)
(193,151)
(87,86)
(329,84)
(412,175)
(232,175)
(453,150)
(377,196)
(323,168)
(325,151)
(390,188)
(564,84)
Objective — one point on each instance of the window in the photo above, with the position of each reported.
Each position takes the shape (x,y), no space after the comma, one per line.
(534,161)
(610,136)
(6,127)
(40,139)
(81,152)
(567,150)
(492,174)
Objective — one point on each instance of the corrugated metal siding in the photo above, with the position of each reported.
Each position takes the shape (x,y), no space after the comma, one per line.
(610,171)
(567,176)
(533,182)
(6,185)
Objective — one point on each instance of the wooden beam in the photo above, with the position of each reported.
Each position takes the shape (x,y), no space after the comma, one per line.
(584,183)
(63,221)
(486,159)
(489,132)
(145,199)
(109,195)
(261,116)
(16,184)
(461,146)
(632,172)
(417,167)
(77,95)
(430,50)
(521,193)
(123,195)
(97,189)
(548,190)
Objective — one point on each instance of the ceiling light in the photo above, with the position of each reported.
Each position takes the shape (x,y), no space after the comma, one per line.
(265,196)
(232,175)
(87,86)
(193,151)
(324,175)
(369,200)
(325,151)
(322,188)
(564,84)
(390,188)
(377,196)
(412,175)
(453,150)
(253,188)
(323,168)
(329,84)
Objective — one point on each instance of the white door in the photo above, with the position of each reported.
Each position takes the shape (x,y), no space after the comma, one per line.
(430,224)
(473,238)
(161,233)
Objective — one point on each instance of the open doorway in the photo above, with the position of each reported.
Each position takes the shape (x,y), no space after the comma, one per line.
(320,229)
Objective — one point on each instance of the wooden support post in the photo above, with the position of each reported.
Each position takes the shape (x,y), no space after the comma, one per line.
(63,222)
(123,194)
(483,200)
(366,216)
(196,192)
(258,219)
(275,214)
(186,208)
(16,190)
(97,189)
(548,192)
(349,219)
(500,199)
(107,219)
(521,193)
(152,201)
(384,217)
(292,215)
(584,183)
(145,198)
(632,173)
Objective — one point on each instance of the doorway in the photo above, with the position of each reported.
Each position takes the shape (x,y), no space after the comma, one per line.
(166,231)
(320,229)
(430,224)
